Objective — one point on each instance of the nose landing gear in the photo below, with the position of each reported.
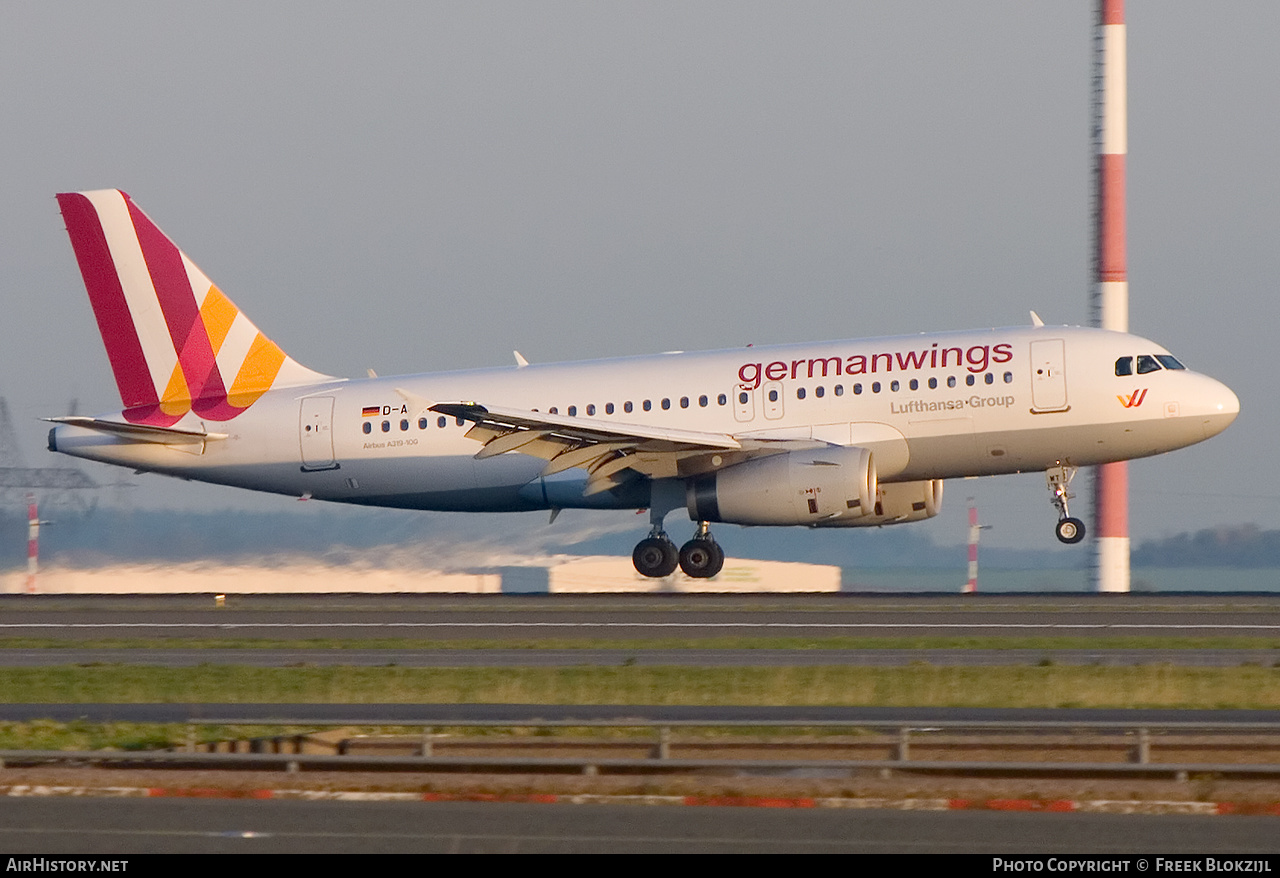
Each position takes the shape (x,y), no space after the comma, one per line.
(1068,530)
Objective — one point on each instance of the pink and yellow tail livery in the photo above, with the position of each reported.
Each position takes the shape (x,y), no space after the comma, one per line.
(175,342)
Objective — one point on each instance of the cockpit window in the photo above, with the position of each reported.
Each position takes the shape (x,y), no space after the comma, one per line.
(1124,366)
(1169,361)
(1147,363)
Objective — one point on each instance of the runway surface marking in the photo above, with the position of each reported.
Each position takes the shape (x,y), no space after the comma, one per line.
(1058,626)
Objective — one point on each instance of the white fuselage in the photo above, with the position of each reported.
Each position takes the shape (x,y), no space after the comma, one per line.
(930,406)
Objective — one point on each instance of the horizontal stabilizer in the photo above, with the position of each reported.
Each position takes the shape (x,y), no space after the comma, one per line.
(140,432)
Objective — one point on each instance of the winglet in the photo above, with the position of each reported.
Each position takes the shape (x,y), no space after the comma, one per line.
(1035,319)
(521,362)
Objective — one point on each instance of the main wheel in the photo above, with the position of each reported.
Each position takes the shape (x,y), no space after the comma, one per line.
(1070,530)
(701,559)
(655,557)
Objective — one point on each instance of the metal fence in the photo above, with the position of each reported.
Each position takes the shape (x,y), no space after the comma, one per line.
(1083,749)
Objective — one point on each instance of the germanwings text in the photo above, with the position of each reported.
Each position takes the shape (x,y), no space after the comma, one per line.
(977,358)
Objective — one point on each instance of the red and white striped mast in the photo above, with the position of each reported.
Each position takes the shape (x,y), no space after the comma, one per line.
(971,587)
(1110,297)
(33,544)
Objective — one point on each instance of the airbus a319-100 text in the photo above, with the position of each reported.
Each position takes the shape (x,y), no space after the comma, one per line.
(852,433)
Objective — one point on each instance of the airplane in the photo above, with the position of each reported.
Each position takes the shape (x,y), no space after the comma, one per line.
(856,433)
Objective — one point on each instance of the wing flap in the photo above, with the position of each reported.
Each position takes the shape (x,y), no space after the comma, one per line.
(603,448)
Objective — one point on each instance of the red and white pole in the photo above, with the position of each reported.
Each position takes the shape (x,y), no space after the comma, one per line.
(971,587)
(1110,299)
(33,544)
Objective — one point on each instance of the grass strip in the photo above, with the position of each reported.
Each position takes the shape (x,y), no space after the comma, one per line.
(46,734)
(919,685)
(1095,642)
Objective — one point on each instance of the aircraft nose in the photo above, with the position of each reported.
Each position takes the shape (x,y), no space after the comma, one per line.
(1224,406)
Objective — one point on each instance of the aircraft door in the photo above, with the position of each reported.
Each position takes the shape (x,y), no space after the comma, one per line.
(1048,376)
(315,433)
(744,404)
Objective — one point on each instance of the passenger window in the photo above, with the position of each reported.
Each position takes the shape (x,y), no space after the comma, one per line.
(386,426)
(702,401)
(893,385)
(553,410)
(666,404)
(875,387)
(608,408)
(742,398)
(857,389)
(722,399)
(933,383)
(440,422)
(773,396)
(1147,363)
(839,390)
(915,385)
(591,409)
(989,378)
(626,406)
(422,423)
(819,391)
(799,393)
(951,381)
(368,428)
(459,421)
(573,411)
(1008,377)
(1124,366)
(684,402)
(969,380)
(404,424)
(648,406)
(1169,362)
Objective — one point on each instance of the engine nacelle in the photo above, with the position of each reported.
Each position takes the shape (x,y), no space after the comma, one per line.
(899,502)
(821,485)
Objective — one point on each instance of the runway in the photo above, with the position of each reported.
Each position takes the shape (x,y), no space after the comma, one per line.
(515,631)
(119,827)
(438,618)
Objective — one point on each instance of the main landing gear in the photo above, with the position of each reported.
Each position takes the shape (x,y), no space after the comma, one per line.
(1068,530)
(657,557)
(700,558)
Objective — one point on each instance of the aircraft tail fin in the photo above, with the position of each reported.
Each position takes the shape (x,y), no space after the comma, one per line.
(176,343)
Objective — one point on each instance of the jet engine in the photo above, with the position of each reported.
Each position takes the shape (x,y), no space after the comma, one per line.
(898,502)
(821,485)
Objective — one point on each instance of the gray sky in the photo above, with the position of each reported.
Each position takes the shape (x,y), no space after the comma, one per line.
(422,186)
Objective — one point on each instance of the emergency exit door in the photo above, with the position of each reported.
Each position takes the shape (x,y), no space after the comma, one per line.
(315,433)
(1049,376)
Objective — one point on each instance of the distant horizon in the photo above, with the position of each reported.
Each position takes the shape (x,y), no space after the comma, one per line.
(345,536)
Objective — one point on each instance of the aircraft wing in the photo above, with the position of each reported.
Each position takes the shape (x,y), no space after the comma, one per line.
(604,448)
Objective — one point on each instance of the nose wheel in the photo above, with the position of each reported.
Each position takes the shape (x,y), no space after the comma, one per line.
(1068,530)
